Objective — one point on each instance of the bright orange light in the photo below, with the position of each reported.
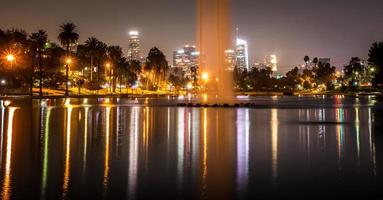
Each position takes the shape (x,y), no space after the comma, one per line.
(68,61)
(205,76)
(108,65)
(10,58)
(189,86)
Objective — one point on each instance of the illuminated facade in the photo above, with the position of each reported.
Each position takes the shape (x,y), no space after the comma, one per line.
(134,49)
(187,60)
(230,60)
(272,62)
(242,55)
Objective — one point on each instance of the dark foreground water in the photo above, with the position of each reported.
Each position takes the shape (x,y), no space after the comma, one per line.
(308,148)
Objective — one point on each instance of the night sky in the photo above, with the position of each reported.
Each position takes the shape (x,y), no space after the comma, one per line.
(338,29)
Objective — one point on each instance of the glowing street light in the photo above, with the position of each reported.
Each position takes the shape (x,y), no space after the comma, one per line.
(10,57)
(68,61)
(108,65)
(189,86)
(205,76)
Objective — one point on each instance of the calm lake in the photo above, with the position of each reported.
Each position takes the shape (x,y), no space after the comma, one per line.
(299,147)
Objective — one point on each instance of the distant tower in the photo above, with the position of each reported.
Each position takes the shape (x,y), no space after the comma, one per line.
(273,63)
(242,54)
(134,49)
(187,60)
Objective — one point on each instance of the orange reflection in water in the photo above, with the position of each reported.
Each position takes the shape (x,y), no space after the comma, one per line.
(204,160)
(106,161)
(86,110)
(5,194)
(67,152)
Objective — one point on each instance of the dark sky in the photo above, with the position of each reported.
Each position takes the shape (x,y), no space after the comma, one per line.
(290,29)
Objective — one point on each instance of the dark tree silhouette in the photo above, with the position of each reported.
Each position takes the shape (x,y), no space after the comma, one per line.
(376,59)
(38,42)
(68,36)
(156,62)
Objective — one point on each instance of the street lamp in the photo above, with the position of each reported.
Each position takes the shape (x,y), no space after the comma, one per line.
(10,58)
(68,61)
(110,76)
(205,77)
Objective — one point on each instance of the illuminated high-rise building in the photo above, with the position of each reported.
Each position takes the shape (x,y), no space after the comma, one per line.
(272,62)
(187,60)
(134,49)
(230,60)
(242,54)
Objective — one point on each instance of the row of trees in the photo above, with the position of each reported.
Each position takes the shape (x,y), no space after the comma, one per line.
(357,74)
(53,66)
(307,78)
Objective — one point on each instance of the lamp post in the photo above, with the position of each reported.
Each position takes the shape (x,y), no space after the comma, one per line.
(205,79)
(10,59)
(67,61)
(108,66)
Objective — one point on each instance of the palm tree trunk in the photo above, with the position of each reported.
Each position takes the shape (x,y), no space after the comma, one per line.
(91,68)
(40,74)
(31,78)
(67,72)
(120,80)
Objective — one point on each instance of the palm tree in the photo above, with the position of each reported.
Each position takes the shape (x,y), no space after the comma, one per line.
(306,59)
(156,62)
(115,57)
(315,61)
(91,47)
(38,41)
(68,35)
(100,54)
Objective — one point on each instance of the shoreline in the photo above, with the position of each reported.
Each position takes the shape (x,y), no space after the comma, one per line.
(164,95)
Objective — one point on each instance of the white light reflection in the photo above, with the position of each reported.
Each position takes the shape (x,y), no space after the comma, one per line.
(340,134)
(371,141)
(274,143)
(133,153)
(243,128)
(357,127)
(180,145)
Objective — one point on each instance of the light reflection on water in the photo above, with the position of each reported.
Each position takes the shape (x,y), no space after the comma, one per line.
(106,150)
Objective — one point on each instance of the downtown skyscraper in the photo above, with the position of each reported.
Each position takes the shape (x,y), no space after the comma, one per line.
(134,49)
(242,54)
(187,60)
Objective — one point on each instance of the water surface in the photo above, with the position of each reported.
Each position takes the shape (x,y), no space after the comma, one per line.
(301,147)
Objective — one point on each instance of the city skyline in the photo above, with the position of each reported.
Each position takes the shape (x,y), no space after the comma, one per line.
(291,31)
